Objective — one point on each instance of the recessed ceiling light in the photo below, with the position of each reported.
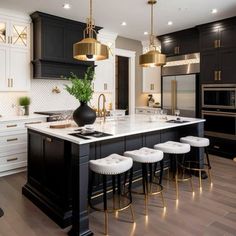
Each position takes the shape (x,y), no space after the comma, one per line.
(214,11)
(145,33)
(170,23)
(123,23)
(66,6)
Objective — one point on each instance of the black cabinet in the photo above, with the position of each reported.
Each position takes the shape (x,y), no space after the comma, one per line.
(53,46)
(180,43)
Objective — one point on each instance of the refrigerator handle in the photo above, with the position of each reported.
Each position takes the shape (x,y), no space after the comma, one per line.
(173,96)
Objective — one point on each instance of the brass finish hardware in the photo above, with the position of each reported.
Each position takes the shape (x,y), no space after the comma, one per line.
(175,50)
(12,139)
(151,86)
(32,123)
(219,43)
(8,83)
(12,159)
(216,75)
(178,49)
(12,83)
(102,113)
(173,96)
(105,86)
(219,75)
(49,140)
(216,43)
(216,147)
(11,126)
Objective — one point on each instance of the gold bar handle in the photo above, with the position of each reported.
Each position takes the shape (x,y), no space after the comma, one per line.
(175,50)
(151,86)
(216,43)
(12,139)
(105,86)
(216,75)
(178,50)
(219,43)
(32,123)
(219,75)
(11,126)
(12,83)
(12,159)
(8,83)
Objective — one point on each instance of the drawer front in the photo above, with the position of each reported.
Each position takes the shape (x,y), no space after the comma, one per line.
(13,162)
(13,139)
(6,150)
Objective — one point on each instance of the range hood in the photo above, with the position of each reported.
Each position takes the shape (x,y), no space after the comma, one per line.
(53,47)
(182,65)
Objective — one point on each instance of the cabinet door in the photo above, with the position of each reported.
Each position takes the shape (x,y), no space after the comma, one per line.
(188,45)
(20,35)
(228,37)
(53,41)
(168,47)
(152,80)
(4,68)
(209,66)
(227,65)
(19,69)
(208,39)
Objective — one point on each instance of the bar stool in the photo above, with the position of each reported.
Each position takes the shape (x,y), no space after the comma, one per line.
(175,149)
(147,157)
(114,165)
(198,142)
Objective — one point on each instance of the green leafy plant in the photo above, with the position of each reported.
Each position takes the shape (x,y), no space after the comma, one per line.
(81,88)
(24,101)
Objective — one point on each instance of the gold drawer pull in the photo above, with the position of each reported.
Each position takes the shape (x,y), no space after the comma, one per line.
(11,126)
(32,123)
(12,159)
(12,139)
(49,140)
(216,147)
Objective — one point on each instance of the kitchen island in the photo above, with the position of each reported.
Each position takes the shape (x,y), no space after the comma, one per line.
(58,160)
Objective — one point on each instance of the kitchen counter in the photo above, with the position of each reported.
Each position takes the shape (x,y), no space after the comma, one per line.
(58,163)
(5,118)
(119,127)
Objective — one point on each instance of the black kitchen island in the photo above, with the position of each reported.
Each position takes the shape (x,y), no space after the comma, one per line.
(58,171)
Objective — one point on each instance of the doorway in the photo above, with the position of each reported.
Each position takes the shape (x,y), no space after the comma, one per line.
(122,84)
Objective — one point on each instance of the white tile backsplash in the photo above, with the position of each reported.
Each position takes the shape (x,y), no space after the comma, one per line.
(42,98)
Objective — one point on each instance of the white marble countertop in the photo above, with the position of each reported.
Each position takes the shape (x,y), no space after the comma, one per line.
(123,126)
(5,118)
(146,107)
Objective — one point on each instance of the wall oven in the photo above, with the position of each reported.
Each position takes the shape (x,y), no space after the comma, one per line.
(219,96)
(221,124)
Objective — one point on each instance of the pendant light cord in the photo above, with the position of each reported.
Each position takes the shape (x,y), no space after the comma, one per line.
(152,35)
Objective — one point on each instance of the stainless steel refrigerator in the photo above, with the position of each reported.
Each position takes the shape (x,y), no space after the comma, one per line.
(179,93)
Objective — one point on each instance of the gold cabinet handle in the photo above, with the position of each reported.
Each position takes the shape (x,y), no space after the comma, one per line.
(216,43)
(11,126)
(8,83)
(12,83)
(12,139)
(151,86)
(12,159)
(219,43)
(216,75)
(219,75)
(178,50)
(49,140)
(32,123)
(105,86)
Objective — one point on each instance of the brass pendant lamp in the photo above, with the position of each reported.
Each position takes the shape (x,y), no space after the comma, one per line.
(90,49)
(153,57)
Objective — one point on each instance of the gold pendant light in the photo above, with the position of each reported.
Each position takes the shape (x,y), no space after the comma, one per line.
(153,57)
(90,49)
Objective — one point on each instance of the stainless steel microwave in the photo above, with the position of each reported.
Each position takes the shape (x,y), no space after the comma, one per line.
(219,96)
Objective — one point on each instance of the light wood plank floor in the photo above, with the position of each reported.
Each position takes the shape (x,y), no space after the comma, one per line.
(212,212)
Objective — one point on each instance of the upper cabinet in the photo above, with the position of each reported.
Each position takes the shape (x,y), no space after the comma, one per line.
(152,80)
(53,46)
(218,51)
(14,54)
(180,43)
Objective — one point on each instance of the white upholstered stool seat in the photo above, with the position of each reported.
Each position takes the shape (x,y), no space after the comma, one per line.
(145,155)
(195,141)
(113,164)
(172,147)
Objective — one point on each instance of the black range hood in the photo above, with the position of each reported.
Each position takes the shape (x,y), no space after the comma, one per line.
(53,39)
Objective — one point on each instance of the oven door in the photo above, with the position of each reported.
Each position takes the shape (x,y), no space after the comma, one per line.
(220,124)
(219,98)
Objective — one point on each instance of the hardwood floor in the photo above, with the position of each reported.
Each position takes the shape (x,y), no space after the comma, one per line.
(212,212)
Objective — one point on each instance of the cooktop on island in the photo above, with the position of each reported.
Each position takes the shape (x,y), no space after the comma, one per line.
(87,135)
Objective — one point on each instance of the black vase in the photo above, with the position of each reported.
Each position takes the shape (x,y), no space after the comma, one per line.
(84,115)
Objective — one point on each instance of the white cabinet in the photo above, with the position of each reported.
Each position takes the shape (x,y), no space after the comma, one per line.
(14,54)
(147,110)
(152,80)
(13,144)
(105,70)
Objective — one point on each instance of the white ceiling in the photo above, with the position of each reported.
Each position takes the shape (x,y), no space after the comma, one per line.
(110,13)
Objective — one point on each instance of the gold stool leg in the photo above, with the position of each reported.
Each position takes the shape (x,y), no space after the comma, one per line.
(176,183)
(146,203)
(132,212)
(163,200)
(200,180)
(191,183)
(210,177)
(106,222)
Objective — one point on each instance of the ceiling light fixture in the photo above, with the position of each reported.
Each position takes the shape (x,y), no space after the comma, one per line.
(123,23)
(214,11)
(66,6)
(90,49)
(170,23)
(145,33)
(153,57)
